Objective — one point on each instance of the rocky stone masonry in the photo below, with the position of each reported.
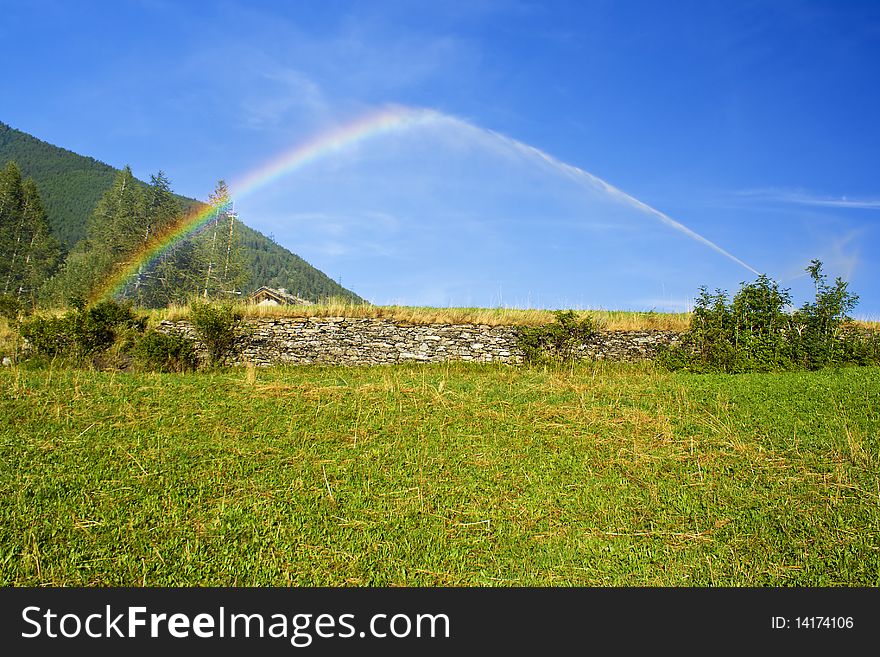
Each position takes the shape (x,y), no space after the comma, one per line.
(343,341)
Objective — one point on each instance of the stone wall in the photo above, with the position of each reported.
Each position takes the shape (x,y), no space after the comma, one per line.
(343,341)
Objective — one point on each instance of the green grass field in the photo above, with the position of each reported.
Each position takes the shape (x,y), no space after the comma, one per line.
(444,475)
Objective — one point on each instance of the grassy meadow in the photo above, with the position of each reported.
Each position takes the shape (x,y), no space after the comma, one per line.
(439,475)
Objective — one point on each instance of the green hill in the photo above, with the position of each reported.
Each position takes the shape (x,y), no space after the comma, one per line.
(70,186)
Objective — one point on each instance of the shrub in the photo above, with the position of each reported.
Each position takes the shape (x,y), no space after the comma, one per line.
(81,332)
(757,331)
(217,327)
(745,334)
(858,346)
(167,352)
(818,337)
(559,342)
(48,336)
(10,308)
(96,328)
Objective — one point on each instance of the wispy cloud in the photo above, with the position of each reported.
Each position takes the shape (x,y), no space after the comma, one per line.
(843,253)
(840,254)
(801,197)
(290,94)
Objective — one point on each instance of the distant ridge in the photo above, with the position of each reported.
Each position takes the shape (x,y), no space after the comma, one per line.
(71,185)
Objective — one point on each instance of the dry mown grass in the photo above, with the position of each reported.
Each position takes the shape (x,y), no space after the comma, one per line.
(608,320)
(611,320)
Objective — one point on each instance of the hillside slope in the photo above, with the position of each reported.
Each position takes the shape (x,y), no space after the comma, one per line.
(71,185)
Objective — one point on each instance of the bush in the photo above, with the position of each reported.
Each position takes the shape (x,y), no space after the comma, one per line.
(818,337)
(745,334)
(95,329)
(858,346)
(48,336)
(167,352)
(217,327)
(757,332)
(10,308)
(81,332)
(559,342)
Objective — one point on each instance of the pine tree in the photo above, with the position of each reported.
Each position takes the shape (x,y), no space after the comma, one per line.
(114,233)
(116,225)
(28,252)
(176,277)
(219,252)
(11,223)
(41,251)
(162,209)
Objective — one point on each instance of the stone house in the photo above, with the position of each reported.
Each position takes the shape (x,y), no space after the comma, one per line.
(268,296)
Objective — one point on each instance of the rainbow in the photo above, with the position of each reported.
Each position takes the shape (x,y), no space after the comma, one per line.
(388,119)
(392,118)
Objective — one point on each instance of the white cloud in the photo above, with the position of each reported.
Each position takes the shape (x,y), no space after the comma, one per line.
(843,253)
(288,94)
(801,197)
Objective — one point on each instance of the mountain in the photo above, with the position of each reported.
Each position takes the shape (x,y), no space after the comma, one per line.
(71,185)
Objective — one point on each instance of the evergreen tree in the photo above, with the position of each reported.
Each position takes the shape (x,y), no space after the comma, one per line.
(11,218)
(41,251)
(117,223)
(115,231)
(219,250)
(176,277)
(28,252)
(162,209)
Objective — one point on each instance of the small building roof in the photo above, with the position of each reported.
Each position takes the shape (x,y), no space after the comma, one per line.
(278,295)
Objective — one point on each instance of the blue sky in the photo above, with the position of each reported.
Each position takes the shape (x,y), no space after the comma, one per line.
(753,125)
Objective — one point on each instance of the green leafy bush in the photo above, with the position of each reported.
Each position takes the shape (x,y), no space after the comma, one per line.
(858,346)
(96,328)
(745,334)
(757,331)
(81,332)
(217,326)
(817,335)
(559,342)
(48,336)
(167,352)
(10,308)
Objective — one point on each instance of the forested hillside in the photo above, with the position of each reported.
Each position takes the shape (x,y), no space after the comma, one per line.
(71,186)
(272,265)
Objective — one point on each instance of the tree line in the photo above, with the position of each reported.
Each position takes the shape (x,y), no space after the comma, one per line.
(129,219)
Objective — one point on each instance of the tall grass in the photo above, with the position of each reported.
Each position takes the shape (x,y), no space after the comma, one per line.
(612,320)
(8,337)
(608,320)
